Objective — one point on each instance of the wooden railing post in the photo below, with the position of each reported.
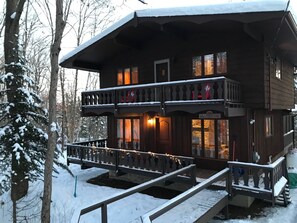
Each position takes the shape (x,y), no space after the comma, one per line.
(81,154)
(272,182)
(104,213)
(229,181)
(193,175)
(117,161)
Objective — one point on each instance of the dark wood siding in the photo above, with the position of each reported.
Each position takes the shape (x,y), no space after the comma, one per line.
(271,145)
(279,93)
(246,65)
(181,136)
(245,60)
(240,134)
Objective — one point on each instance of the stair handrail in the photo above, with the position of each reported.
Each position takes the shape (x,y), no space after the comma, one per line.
(120,195)
(155,213)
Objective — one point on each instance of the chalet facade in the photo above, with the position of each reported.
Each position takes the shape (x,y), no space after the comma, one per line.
(211,82)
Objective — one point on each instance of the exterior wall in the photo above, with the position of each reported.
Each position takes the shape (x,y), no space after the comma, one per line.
(271,145)
(263,94)
(245,61)
(279,93)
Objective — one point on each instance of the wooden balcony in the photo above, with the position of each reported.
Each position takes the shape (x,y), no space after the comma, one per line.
(218,94)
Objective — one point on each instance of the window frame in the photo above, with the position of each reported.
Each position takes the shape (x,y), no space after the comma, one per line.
(203,64)
(278,68)
(199,149)
(122,72)
(132,132)
(268,126)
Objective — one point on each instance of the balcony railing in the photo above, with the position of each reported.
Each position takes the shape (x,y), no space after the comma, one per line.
(219,90)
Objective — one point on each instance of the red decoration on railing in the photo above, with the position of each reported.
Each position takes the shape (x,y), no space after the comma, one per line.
(207,91)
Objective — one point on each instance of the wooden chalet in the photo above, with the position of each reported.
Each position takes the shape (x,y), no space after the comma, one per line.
(212,82)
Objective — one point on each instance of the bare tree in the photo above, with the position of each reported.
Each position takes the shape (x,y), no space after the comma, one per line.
(61,15)
(91,15)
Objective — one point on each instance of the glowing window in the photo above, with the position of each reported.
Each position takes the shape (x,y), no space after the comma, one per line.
(268,126)
(197,66)
(210,138)
(128,133)
(208,64)
(127,76)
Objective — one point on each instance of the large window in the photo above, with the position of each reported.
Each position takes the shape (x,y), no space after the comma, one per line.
(127,76)
(210,138)
(210,64)
(128,133)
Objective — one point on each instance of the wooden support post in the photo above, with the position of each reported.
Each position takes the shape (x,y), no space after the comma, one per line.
(81,155)
(117,160)
(193,175)
(226,212)
(104,213)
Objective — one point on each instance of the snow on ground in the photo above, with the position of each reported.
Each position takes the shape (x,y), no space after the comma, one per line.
(66,207)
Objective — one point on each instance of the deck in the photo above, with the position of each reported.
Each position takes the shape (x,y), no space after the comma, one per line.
(266,182)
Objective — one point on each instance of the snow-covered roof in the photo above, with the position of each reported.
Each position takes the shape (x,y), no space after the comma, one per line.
(213,9)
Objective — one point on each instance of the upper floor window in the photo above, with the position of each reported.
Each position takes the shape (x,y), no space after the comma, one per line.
(278,66)
(127,76)
(209,64)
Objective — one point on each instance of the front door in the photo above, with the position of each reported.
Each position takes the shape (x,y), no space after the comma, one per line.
(163,130)
(162,70)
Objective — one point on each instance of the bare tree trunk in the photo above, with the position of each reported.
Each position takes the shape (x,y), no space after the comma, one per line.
(54,57)
(64,115)
(73,110)
(14,9)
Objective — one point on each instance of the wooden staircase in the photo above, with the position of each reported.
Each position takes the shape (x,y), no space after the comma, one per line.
(284,198)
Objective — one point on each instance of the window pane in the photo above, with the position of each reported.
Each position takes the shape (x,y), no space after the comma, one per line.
(197,66)
(208,64)
(136,134)
(134,75)
(120,77)
(120,133)
(222,63)
(128,138)
(196,137)
(278,68)
(127,76)
(223,139)
(268,126)
(209,138)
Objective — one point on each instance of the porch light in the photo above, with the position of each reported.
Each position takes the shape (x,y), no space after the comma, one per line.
(150,121)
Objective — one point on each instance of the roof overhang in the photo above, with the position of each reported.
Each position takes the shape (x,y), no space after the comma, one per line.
(272,21)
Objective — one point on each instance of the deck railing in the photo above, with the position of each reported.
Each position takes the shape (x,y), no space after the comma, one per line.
(260,181)
(96,143)
(215,89)
(121,159)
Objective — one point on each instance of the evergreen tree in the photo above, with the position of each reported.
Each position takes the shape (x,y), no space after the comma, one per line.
(22,137)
